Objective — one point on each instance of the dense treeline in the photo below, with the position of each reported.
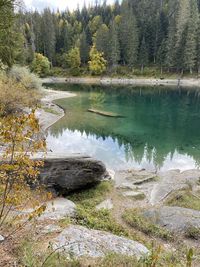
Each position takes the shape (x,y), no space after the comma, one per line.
(135,34)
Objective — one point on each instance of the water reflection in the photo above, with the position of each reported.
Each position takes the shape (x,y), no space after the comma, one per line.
(160,130)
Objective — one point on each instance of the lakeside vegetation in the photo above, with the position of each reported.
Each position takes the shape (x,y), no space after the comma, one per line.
(131,38)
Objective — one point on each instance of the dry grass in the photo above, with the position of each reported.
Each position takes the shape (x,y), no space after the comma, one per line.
(14,96)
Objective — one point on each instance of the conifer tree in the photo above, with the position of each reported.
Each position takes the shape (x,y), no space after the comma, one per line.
(128,36)
(190,52)
(84,48)
(102,40)
(114,48)
(143,55)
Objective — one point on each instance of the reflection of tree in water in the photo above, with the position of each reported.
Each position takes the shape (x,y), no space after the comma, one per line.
(97,99)
(171,131)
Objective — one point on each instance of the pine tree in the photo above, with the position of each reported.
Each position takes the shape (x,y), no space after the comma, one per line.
(84,48)
(114,48)
(190,55)
(128,36)
(101,40)
(143,55)
(48,31)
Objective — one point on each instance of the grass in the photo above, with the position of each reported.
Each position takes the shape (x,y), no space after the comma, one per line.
(135,219)
(88,216)
(51,110)
(192,232)
(31,255)
(184,199)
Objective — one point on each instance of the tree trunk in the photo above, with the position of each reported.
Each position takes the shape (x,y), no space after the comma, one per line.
(142,69)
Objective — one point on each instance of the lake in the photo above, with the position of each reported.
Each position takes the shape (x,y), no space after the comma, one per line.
(159,128)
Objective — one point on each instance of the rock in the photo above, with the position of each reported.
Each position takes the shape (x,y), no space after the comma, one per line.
(66,174)
(111,174)
(134,177)
(174,218)
(127,185)
(172,181)
(107,204)
(52,228)
(134,194)
(80,241)
(58,209)
(1,238)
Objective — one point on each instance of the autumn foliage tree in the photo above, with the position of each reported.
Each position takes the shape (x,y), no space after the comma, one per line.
(18,171)
(97,63)
(40,65)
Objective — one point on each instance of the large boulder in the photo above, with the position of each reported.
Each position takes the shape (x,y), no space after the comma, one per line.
(175,219)
(80,241)
(69,173)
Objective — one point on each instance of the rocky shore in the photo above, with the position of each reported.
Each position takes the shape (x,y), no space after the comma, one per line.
(161,206)
(50,113)
(125,81)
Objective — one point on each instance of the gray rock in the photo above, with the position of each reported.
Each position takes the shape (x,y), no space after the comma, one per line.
(171,181)
(127,185)
(80,241)
(174,218)
(58,209)
(67,174)
(107,204)
(134,177)
(1,238)
(134,194)
(52,228)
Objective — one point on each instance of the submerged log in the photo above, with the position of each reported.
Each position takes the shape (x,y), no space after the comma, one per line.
(105,113)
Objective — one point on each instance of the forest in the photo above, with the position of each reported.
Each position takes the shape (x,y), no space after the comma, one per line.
(131,35)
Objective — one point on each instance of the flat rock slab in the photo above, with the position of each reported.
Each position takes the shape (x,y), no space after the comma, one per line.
(134,177)
(134,194)
(51,228)
(107,204)
(70,173)
(58,209)
(127,185)
(171,181)
(80,241)
(175,219)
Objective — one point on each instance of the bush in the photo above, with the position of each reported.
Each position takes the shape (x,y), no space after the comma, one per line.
(14,96)
(23,75)
(73,60)
(40,65)
(97,63)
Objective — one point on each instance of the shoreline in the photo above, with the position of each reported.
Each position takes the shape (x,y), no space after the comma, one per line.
(50,113)
(190,82)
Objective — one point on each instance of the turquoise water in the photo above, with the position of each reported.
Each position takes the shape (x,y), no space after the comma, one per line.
(160,128)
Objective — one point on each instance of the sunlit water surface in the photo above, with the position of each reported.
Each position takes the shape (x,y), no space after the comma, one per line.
(160,128)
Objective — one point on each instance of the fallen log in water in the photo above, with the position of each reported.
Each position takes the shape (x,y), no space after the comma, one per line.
(105,113)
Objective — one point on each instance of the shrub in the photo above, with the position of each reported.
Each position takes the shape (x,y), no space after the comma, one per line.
(40,65)
(23,75)
(97,63)
(14,96)
(73,60)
